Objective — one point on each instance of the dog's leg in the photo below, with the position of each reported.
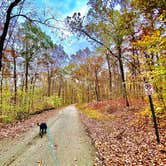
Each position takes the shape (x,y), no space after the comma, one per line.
(41,134)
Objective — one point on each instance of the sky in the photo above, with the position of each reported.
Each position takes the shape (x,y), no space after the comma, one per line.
(65,8)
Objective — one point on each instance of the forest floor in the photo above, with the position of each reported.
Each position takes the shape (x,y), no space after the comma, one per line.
(66,142)
(127,138)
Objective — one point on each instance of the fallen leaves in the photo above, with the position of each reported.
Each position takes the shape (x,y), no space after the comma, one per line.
(14,129)
(126,139)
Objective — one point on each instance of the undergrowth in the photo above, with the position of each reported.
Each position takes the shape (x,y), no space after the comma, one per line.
(92,113)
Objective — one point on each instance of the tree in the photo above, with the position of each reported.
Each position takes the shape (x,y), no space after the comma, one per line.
(6,27)
(151,46)
(33,40)
(11,20)
(85,70)
(97,30)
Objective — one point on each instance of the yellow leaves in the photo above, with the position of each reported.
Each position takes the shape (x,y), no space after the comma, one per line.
(163,16)
(149,39)
(92,113)
(146,112)
(159,110)
(157,33)
(151,43)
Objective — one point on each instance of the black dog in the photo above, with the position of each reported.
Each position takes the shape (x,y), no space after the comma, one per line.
(43,128)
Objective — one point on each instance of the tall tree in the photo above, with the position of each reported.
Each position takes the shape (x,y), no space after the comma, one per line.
(101,17)
(6,27)
(34,40)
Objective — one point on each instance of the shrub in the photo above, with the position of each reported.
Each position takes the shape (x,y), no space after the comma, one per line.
(92,113)
(57,101)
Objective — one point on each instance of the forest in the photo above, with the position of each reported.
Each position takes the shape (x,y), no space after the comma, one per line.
(127,41)
(129,50)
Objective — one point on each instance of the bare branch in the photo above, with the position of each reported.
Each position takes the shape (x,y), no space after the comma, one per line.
(39,21)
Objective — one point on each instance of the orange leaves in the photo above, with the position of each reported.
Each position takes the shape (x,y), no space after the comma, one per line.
(125,139)
(151,38)
(151,42)
(8,54)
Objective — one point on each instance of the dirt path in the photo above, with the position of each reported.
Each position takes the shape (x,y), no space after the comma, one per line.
(65,130)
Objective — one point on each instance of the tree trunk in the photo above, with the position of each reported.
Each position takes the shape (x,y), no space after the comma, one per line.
(110,75)
(15,79)
(53,87)
(124,90)
(49,84)
(88,94)
(60,87)
(1,96)
(97,87)
(22,82)
(26,75)
(6,27)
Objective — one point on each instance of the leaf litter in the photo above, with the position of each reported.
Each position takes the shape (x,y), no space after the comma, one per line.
(16,128)
(127,138)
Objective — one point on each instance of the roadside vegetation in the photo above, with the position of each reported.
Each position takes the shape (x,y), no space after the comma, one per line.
(127,137)
(128,41)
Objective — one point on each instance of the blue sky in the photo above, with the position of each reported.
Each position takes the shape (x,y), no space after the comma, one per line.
(65,8)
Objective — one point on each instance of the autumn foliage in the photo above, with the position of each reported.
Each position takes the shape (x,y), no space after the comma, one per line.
(127,137)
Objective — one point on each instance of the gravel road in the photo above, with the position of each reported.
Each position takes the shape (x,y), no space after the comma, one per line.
(66,144)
